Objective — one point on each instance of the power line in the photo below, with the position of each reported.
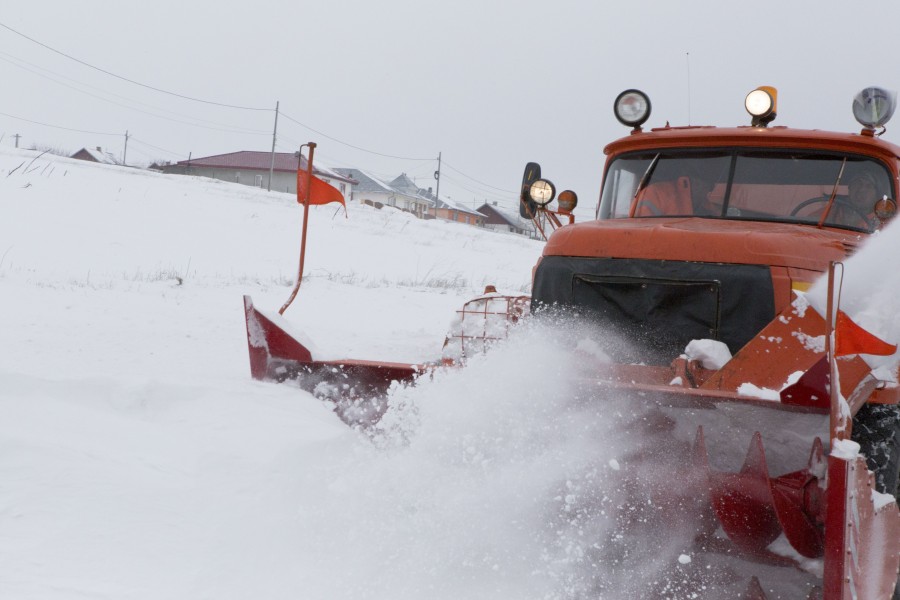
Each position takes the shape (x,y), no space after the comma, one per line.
(477,192)
(134,139)
(294,144)
(141,152)
(222,127)
(289,118)
(446,164)
(472,189)
(59,126)
(144,85)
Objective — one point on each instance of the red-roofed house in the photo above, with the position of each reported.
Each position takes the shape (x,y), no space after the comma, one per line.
(249,167)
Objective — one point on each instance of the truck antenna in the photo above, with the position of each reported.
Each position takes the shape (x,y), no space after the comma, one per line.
(688,57)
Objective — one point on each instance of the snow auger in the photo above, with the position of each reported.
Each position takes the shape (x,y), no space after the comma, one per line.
(753,397)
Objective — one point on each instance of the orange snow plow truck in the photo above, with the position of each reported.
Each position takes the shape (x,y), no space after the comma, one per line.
(784,441)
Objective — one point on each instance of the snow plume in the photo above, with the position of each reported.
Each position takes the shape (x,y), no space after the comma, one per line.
(869,289)
(511,478)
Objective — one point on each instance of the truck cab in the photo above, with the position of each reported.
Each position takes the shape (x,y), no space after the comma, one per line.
(706,232)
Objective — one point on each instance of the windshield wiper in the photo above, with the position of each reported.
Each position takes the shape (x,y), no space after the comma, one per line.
(831,198)
(645,179)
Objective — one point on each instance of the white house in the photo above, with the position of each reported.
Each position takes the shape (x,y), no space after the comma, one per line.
(401,193)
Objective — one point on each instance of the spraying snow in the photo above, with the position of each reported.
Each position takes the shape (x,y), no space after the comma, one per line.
(868,288)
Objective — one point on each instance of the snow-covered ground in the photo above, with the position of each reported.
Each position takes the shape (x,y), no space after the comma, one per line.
(139,460)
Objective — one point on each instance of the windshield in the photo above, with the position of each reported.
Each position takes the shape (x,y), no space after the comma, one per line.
(759,185)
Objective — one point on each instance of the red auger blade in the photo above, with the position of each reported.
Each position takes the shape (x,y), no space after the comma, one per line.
(754,509)
(799,506)
(743,502)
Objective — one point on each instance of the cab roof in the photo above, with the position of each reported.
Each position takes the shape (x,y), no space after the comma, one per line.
(754,137)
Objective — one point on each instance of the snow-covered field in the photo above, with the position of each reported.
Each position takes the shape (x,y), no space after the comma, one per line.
(137,457)
(139,460)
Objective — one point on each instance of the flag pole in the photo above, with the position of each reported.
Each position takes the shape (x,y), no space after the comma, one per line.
(838,422)
(305,201)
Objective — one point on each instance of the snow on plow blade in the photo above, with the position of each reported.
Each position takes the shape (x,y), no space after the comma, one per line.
(278,355)
(782,511)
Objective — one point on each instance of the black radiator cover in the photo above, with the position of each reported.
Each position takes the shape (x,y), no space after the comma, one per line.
(659,306)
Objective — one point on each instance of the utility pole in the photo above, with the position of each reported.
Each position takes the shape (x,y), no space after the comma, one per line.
(437,176)
(17,136)
(125,153)
(274,133)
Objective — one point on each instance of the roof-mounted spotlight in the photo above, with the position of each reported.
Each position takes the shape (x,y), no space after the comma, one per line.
(762,104)
(873,107)
(632,108)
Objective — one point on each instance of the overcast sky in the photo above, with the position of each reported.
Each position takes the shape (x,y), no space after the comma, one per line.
(489,84)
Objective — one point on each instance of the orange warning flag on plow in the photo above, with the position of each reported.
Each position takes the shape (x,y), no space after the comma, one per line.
(322,193)
(850,338)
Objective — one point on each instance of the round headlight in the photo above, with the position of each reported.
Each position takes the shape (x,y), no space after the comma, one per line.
(632,108)
(542,192)
(759,103)
(874,106)
(567,201)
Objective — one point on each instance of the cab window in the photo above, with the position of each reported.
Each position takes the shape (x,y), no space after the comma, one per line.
(762,185)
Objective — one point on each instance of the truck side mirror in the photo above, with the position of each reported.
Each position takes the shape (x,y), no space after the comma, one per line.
(527,206)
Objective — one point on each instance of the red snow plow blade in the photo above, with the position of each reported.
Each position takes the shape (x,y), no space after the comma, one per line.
(276,355)
(775,507)
(356,386)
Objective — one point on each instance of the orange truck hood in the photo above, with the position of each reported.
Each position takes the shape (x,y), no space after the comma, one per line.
(706,240)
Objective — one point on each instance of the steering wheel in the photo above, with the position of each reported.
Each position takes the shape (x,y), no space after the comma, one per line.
(841,201)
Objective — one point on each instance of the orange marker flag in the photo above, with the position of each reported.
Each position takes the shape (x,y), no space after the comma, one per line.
(850,338)
(322,193)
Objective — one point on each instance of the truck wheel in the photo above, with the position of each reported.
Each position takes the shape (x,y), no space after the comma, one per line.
(876,428)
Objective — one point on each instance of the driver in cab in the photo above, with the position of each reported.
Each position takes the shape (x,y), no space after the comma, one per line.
(857,208)
(682,197)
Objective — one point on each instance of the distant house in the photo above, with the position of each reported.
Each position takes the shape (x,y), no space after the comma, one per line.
(97,155)
(401,193)
(252,168)
(501,219)
(416,198)
(448,210)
